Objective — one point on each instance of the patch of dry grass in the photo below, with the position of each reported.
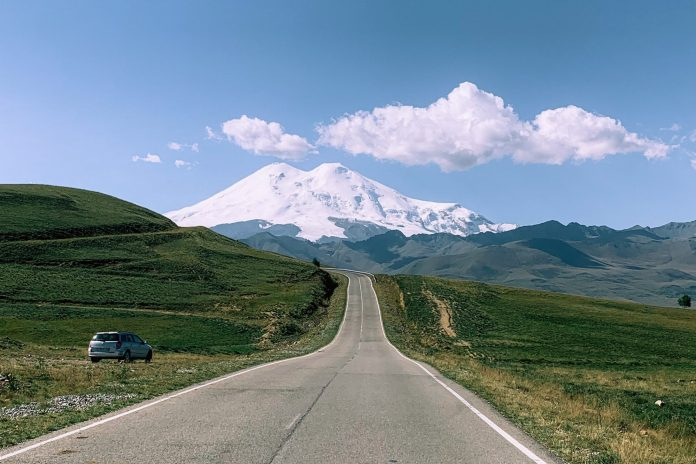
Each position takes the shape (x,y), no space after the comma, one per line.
(41,372)
(585,407)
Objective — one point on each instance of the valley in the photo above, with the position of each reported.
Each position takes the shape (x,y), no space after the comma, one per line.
(347,220)
(580,375)
(443,232)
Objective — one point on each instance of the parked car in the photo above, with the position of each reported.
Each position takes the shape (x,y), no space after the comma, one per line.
(124,346)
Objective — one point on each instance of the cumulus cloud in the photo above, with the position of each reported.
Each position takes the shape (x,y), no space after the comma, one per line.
(470,127)
(149,158)
(265,138)
(571,133)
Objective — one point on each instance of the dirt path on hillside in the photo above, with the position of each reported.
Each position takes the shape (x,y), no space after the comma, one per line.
(445,311)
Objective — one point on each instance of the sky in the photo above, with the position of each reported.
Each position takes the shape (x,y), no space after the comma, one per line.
(521,111)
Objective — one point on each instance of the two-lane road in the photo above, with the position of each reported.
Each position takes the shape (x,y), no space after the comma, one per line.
(358,400)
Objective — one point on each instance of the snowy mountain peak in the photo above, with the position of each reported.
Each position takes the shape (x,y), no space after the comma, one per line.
(328,201)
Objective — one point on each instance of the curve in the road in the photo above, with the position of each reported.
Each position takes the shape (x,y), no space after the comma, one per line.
(358,399)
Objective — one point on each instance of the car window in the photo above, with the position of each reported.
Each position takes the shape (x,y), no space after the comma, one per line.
(137,339)
(106,337)
(125,338)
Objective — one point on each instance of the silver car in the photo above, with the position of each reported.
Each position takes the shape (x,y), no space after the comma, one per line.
(124,346)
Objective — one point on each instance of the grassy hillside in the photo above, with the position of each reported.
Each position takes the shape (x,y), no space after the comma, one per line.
(581,375)
(179,270)
(74,262)
(44,211)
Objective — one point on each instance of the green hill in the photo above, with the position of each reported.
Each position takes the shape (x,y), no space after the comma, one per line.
(76,247)
(579,374)
(44,212)
(74,262)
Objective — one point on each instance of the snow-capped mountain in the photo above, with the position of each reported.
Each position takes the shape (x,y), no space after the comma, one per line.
(328,201)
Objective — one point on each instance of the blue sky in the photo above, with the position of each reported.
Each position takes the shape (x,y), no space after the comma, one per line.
(85,87)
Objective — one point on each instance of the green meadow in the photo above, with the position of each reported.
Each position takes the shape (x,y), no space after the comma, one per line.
(580,375)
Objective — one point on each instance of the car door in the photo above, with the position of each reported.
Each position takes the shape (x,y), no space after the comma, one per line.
(129,345)
(139,346)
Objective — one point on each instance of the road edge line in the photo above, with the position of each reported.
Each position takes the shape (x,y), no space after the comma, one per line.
(509,438)
(150,403)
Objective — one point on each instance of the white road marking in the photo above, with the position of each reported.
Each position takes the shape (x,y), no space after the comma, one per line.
(362,312)
(175,395)
(526,451)
(292,423)
(483,417)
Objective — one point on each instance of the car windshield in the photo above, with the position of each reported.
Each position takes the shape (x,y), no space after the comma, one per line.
(106,337)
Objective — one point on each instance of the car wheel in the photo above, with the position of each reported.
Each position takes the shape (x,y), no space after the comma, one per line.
(127,357)
(148,358)
(95,360)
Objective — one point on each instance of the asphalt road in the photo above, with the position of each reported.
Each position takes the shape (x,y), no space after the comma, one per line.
(358,400)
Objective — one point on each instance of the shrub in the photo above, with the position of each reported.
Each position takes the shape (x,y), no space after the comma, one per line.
(684,301)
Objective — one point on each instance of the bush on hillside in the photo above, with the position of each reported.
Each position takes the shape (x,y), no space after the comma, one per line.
(684,301)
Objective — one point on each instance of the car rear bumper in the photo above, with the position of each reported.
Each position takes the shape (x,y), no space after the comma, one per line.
(105,354)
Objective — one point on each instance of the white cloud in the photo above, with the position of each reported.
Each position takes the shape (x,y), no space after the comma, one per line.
(183,164)
(571,133)
(693,163)
(673,128)
(265,138)
(211,134)
(181,146)
(471,127)
(149,158)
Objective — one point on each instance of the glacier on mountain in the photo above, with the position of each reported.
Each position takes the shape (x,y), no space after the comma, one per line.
(328,201)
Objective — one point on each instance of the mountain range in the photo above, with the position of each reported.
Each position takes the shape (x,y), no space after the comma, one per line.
(347,220)
(648,265)
(329,202)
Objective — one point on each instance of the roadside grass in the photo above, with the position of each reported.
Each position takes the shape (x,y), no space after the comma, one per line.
(580,375)
(43,352)
(74,262)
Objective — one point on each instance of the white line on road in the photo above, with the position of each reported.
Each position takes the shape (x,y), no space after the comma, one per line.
(527,452)
(175,395)
(362,312)
(292,423)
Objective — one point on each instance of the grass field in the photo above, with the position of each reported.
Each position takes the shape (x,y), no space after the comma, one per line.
(580,375)
(74,262)
(44,211)
(48,361)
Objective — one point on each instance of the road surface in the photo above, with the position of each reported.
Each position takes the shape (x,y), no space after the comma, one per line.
(358,400)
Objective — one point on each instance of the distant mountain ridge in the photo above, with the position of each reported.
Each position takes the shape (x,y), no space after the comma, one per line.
(327,203)
(650,265)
